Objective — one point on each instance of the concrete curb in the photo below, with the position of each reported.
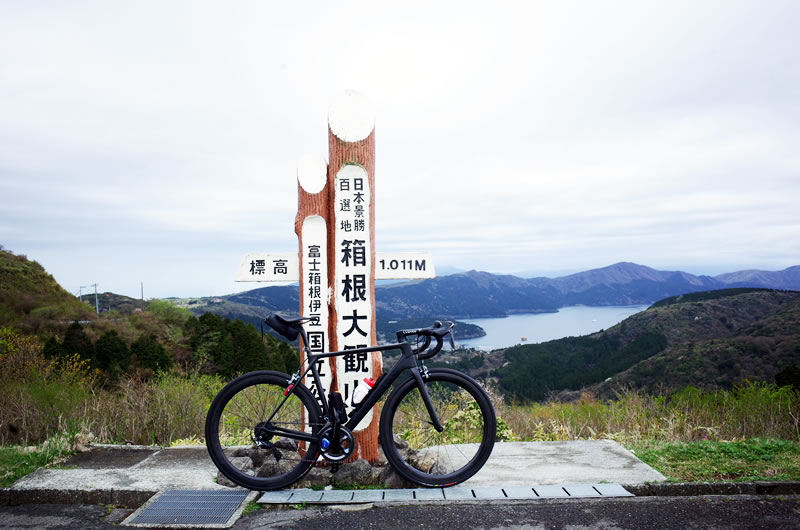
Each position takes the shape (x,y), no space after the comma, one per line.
(697,489)
(122,498)
(135,498)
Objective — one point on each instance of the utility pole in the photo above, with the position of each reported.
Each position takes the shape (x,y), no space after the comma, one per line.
(80,296)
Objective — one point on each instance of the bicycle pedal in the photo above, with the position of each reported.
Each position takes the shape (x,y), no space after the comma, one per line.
(334,468)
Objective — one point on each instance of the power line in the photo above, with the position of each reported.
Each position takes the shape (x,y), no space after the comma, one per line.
(96,302)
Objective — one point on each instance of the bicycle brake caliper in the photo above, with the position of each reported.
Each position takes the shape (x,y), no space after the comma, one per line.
(292,382)
(424,370)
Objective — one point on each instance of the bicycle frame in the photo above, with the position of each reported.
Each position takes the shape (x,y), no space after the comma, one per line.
(406,362)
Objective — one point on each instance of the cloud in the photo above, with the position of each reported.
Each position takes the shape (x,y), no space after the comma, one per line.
(509,137)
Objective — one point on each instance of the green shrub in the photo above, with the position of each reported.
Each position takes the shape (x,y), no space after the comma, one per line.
(76,341)
(150,353)
(112,354)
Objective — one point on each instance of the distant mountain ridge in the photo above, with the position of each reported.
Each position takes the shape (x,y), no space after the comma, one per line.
(619,273)
(476,294)
(785,279)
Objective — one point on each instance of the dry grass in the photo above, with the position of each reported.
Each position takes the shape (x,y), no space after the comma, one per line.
(41,398)
(748,411)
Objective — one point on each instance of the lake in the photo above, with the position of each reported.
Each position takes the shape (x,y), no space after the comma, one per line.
(541,327)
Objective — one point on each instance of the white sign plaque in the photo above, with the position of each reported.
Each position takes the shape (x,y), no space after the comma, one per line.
(388,266)
(403,265)
(316,297)
(352,285)
(263,267)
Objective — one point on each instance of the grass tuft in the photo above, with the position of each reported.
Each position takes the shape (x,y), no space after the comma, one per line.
(709,461)
(18,461)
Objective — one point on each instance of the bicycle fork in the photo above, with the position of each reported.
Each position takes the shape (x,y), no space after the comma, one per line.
(425,397)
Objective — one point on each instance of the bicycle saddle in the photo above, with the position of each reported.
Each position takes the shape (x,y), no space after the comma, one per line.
(289,328)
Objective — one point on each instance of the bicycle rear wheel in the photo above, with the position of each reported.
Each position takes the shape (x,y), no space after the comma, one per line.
(421,454)
(235,417)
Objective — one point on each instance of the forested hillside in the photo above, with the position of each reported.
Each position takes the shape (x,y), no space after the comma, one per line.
(32,300)
(710,340)
(128,336)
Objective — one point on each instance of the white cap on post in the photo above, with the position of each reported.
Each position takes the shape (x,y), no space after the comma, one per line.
(351,116)
(312,173)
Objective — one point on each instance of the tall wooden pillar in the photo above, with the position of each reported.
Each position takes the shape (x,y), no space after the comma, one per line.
(312,226)
(351,252)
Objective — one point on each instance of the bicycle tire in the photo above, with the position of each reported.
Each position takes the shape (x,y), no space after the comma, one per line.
(234,413)
(417,451)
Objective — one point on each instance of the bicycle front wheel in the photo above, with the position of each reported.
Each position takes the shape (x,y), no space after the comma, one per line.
(237,418)
(421,454)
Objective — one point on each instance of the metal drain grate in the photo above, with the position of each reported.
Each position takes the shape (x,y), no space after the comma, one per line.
(190,508)
(442,494)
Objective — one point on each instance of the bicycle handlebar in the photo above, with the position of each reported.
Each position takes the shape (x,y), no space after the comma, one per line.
(290,328)
(437,331)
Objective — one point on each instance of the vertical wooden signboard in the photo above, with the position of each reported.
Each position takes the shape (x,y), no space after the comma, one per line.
(353,277)
(351,177)
(311,226)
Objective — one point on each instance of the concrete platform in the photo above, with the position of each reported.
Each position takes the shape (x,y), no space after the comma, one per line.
(129,475)
(116,474)
(573,462)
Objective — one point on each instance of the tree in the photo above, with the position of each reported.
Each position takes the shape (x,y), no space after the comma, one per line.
(53,349)
(150,353)
(789,376)
(284,356)
(112,354)
(246,354)
(207,339)
(76,341)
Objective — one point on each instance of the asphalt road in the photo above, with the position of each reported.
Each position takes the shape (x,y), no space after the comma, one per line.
(640,512)
(739,511)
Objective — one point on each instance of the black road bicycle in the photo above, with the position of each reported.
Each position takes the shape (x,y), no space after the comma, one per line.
(265,429)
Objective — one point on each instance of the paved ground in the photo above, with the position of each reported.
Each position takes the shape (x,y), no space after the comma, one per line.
(573,462)
(100,488)
(741,511)
(744,512)
(128,475)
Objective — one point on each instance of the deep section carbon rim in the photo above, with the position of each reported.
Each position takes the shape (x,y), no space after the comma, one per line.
(418,451)
(238,417)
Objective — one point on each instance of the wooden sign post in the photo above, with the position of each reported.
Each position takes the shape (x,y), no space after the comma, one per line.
(312,226)
(336,264)
(351,174)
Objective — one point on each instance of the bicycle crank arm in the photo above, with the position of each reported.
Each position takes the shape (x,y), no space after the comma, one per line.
(294,435)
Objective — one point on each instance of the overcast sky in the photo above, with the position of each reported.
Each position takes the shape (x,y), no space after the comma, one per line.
(157,142)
